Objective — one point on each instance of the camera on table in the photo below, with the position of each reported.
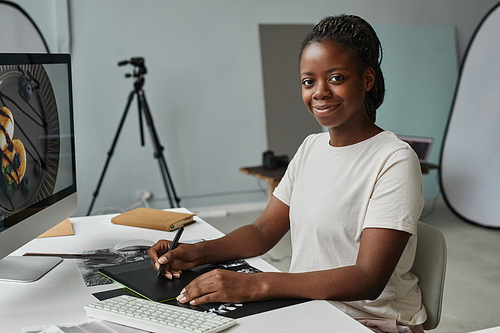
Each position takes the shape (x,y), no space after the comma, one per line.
(271,161)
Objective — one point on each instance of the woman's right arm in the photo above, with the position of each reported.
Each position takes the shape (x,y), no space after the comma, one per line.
(248,241)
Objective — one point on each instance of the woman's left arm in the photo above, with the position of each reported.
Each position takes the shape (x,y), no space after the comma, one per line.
(379,252)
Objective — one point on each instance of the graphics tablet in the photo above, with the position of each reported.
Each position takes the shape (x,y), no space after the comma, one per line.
(140,277)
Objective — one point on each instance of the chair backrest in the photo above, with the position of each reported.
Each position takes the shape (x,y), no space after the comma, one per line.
(430,268)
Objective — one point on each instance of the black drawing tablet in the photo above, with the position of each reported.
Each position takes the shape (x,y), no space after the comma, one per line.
(140,277)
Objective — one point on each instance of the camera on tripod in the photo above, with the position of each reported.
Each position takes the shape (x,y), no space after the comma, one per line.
(144,112)
(137,62)
(271,161)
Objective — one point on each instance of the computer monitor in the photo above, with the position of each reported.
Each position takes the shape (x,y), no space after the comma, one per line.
(38,178)
(421,146)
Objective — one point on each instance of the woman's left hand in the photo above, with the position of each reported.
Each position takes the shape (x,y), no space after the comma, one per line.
(222,285)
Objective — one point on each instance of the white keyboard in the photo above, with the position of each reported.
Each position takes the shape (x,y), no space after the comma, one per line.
(156,317)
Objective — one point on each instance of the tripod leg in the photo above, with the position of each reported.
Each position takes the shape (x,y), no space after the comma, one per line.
(164,168)
(111,151)
(167,180)
(141,130)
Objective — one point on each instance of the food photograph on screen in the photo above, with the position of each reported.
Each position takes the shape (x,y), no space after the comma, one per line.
(29,138)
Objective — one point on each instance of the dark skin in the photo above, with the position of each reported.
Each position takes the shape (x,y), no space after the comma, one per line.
(333,90)
(334,93)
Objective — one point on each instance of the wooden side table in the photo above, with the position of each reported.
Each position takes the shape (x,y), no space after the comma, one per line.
(272,176)
(428,166)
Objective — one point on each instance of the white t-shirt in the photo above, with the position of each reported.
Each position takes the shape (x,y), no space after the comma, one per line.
(335,192)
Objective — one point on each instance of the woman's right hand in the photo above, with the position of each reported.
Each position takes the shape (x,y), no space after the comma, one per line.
(183,257)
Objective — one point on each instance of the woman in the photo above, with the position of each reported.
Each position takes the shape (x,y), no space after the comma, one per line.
(351,198)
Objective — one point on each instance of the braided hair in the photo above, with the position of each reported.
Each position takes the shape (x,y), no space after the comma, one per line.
(359,40)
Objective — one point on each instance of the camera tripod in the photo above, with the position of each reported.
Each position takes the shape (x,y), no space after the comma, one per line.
(138,74)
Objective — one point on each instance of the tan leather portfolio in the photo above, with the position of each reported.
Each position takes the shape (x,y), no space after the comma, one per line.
(154,219)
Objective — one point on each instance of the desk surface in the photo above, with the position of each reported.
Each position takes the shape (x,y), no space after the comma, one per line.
(59,296)
(489,330)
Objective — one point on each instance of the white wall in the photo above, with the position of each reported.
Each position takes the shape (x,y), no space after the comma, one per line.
(51,17)
(204,84)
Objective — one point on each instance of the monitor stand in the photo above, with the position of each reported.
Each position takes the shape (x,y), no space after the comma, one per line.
(26,269)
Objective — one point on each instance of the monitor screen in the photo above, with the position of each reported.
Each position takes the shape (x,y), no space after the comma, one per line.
(38,178)
(421,146)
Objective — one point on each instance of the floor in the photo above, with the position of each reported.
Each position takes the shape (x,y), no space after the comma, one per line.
(472,288)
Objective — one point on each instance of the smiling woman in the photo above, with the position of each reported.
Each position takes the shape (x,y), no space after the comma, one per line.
(350,197)
(340,68)
(334,91)
(361,43)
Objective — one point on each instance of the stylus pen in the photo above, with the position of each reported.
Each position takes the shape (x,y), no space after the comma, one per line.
(172,246)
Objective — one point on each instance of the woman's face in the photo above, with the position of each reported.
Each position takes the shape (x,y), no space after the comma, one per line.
(332,88)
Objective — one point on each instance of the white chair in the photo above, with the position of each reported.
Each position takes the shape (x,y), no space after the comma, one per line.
(430,268)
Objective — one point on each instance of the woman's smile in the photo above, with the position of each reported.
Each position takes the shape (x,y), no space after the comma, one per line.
(325,108)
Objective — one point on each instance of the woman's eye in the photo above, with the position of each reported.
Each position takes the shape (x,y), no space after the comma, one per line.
(307,82)
(336,78)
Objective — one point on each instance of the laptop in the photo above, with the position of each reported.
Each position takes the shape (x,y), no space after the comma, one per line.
(422,146)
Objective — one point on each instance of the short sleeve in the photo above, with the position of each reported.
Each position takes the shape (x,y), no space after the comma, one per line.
(285,187)
(397,198)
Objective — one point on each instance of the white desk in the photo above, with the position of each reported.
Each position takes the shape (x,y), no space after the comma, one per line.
(489,330)
(59,296)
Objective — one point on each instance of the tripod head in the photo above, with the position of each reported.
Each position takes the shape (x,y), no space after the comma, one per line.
(139,70)
(139,67)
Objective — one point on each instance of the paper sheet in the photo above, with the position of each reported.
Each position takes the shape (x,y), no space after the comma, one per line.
(62,229)
(87,327)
